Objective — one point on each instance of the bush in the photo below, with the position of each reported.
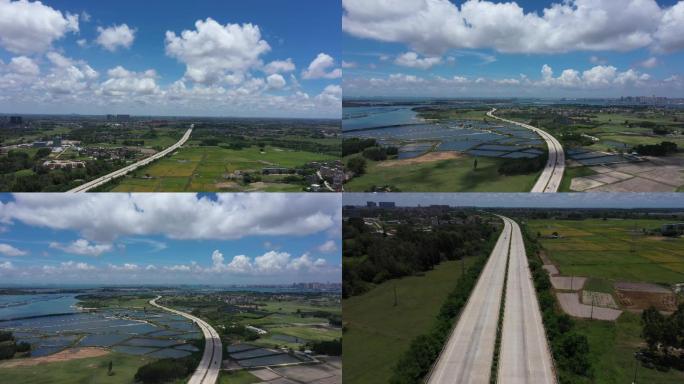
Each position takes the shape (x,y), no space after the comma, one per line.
(375,153)
(523,166)
(165,370)
(357,165)
(356,145)
(662,149)
(330,348)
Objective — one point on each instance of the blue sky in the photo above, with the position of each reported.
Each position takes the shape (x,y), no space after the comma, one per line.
(246,36)
(495,48)
(209,239)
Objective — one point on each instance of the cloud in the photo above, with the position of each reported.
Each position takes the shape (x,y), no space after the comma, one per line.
(651,62)
(68,267)
(23,65)
(275,81)
(125,83)
(217,53)
(279,66)
(670,33)
(31,27)
(412,60)
(82,247)
(128,267)
(305,262)
(270,263)
(328,246)
(320,67)
(435,26)
(104,217)
(115,37)
(349,64)
(9,250)
(7,266)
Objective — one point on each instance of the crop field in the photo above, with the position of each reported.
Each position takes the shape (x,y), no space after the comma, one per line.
(611,350)
(89,370)
(607,251)
(204,169)
(378,332)
(453,175)
(617,250)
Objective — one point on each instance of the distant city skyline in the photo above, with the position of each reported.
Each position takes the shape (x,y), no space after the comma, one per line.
(608,200)
(257,58)
(169,239)
(523,48)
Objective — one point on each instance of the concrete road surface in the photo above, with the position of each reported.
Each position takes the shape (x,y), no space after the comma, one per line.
(467,356)
(552,174)
(524,354)
(130,168)
(208,369)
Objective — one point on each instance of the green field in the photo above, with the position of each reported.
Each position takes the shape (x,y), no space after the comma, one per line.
(612,250)
(203,169)
(239,377)
(378,333)
(455,175)
(81,371)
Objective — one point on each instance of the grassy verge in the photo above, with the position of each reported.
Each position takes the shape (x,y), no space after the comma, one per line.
(454,175)
(377,332)
(91,370)
(572,172)
(239,377)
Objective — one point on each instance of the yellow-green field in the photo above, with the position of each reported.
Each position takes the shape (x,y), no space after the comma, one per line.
(613,250)
(204,169)
(607,251)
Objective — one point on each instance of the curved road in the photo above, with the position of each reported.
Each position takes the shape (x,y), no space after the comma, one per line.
(208,369)
(551,176)
(129,168)
(524,356)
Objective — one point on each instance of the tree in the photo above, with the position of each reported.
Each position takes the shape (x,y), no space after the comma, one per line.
(357,165)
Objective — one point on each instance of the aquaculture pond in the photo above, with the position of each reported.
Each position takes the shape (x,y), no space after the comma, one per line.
(477,138)
(137,332)
(249,356)
(589,157)
(17,306)
(377,116)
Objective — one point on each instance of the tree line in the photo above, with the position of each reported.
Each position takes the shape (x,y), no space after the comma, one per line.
(371,258)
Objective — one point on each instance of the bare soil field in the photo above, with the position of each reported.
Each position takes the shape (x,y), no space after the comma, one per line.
(426,158)
(65,355)
(571,305)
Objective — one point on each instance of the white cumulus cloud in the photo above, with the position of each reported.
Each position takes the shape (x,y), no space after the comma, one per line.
(115,37)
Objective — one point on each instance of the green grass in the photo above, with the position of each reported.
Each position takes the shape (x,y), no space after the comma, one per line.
(611,250)
(455,175)
(378,333)
(612,346)
(239,377)
(80,371)
(571,173)
(636,140)
(203,169)
(309,333)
